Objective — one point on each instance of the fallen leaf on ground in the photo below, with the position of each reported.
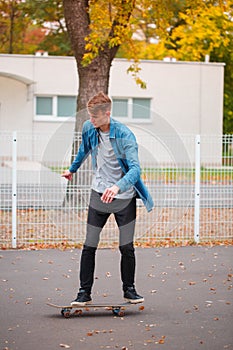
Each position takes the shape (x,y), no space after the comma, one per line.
(192,283)
(162,340)
(65,346)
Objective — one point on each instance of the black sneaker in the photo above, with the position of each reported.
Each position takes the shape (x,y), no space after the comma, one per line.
(132,296)
(83,298)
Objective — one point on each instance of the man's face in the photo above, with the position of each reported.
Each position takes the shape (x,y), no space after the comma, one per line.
(100,119)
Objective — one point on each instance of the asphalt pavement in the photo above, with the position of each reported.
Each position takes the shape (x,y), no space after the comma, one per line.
(188,300)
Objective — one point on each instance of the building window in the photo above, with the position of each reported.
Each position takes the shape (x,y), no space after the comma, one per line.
(44,106)
(55,106)
(141,108)
(132,108)
(120,108)
(66,106)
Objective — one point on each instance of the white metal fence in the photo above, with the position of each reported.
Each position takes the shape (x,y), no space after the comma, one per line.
(190,178)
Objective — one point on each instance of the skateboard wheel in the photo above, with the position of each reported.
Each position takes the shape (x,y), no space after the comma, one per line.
(118,312)
(121,313)
(65,313)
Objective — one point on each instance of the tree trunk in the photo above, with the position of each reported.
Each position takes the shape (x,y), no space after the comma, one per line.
(92,79)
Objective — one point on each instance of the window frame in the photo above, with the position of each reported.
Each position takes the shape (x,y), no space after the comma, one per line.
(53,117)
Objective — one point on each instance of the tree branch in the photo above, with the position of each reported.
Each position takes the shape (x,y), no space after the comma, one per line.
(122,18)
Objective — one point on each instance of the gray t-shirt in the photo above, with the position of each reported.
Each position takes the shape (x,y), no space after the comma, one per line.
(108,170)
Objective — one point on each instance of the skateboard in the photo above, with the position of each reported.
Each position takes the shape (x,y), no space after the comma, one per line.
(117,309)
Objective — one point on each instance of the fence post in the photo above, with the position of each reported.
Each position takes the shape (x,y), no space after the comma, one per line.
(197,188)
(14,189)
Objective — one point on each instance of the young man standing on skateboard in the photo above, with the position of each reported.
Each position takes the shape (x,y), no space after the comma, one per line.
(116,185)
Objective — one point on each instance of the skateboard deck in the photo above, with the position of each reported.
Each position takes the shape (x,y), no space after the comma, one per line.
(117,309)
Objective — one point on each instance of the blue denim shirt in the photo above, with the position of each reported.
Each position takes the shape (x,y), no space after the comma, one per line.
(126,150)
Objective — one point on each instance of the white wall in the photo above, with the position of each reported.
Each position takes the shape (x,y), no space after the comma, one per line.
(15,108)
(187,97)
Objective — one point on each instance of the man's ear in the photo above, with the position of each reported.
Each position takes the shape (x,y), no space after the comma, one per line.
(108,113)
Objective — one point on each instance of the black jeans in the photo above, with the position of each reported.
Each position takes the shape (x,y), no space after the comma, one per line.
(124,211)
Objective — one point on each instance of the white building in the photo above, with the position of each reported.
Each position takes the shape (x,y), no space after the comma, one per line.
(38,95)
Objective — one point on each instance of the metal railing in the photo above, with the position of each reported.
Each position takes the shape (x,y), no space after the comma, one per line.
(190,178)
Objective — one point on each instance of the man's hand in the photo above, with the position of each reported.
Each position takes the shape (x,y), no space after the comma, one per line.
(109,194)
(67,174)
